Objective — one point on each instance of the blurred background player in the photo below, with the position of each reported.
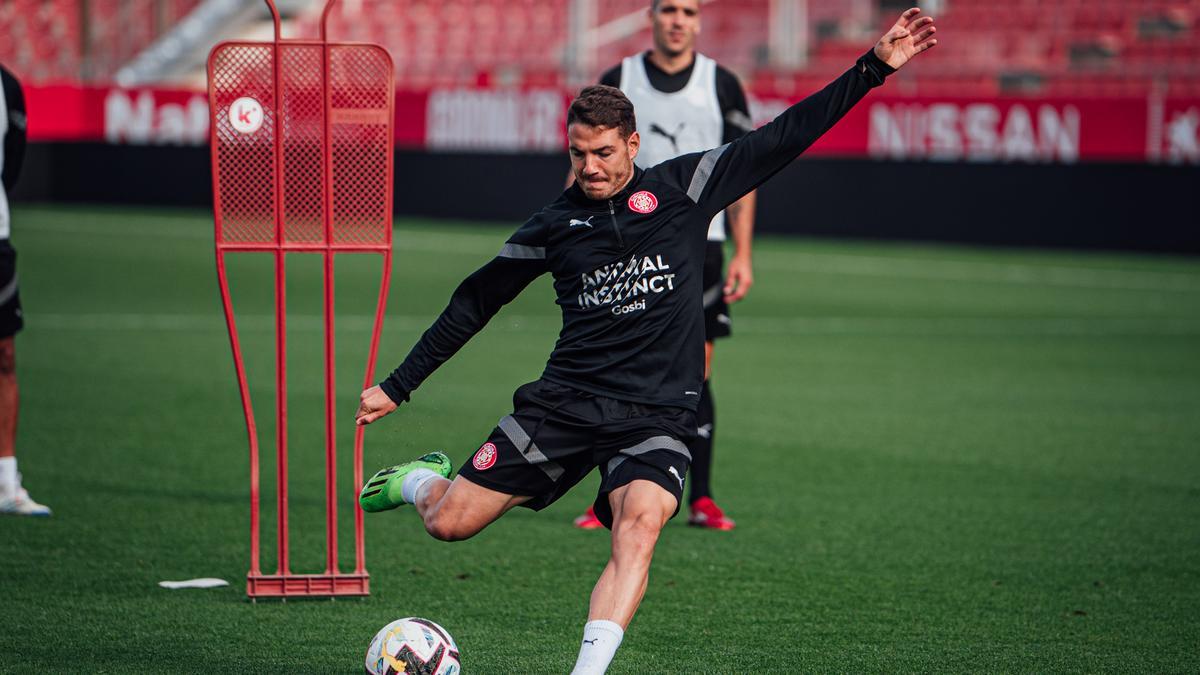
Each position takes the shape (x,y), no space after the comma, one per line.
(685,102)
(14,499)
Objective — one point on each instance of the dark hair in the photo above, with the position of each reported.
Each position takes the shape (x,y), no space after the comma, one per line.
(655,3)
(603,106)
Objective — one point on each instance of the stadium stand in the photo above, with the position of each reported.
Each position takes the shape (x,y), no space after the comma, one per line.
(72,41)
(1086,48)
(1042,47)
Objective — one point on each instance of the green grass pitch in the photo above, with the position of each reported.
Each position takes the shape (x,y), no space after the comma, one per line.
(941,459)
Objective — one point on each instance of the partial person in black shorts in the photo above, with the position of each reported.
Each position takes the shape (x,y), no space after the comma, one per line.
(14,499)
(717,321)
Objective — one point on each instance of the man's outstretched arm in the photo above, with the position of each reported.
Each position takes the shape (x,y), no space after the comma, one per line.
(473,304)
(720,177)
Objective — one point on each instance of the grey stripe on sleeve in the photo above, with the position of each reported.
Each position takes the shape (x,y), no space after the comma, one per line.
(528,448)
(522,252)
(740,120)
(703,172)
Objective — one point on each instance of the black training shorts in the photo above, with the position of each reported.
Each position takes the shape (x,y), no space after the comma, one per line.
(716,312)
(10,299)
(557,435)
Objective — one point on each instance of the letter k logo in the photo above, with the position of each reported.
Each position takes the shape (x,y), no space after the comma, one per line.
(243,115)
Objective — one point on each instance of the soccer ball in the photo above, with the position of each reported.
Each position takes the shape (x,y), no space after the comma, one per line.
(414,646)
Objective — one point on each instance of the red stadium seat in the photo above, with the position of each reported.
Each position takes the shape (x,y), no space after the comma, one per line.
(42,39)
(1091,47)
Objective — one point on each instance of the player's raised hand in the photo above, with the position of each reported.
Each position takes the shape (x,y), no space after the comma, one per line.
(911,35)
(375,403)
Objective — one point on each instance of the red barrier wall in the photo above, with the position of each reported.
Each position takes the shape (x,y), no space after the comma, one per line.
(1064,131)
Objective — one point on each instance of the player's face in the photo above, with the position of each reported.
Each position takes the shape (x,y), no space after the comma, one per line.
(676,25)
(601,160)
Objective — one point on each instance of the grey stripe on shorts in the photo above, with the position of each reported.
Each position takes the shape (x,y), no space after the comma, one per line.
(9,290)
(713,294)
(528,448)
(649,445)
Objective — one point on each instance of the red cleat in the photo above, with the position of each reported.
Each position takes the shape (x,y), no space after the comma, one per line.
(705,513)
(589,521)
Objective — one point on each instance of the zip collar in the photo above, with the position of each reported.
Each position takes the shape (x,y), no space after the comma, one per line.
(576,196)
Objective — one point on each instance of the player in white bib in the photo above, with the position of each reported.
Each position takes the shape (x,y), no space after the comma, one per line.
(686,103)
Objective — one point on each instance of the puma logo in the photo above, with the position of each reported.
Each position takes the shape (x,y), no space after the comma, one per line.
(677,476)
(674,138)
(590,642)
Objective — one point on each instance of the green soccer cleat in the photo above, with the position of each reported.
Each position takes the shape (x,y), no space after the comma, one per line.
(382,491)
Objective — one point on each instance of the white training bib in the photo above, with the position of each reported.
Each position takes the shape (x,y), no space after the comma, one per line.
(671,125)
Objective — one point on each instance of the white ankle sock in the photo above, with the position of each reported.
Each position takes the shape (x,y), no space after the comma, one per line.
(600,642)
(413,482)
(10,480)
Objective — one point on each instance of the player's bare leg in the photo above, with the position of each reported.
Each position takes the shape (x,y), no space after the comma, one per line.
(451,510)
(14,500)
(8,397)
(640,510)
(708,357)
(459,509)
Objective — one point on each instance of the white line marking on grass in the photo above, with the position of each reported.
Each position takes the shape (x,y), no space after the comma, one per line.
(125,230)
(448,241)
(969,326)
(983,271)
(253,323)
(751,325)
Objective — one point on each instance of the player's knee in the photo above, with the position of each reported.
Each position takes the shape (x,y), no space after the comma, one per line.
(447,528)
(635,536)
(440,529)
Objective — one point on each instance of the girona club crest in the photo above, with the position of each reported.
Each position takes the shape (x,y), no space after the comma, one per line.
(485,458)
(643,202)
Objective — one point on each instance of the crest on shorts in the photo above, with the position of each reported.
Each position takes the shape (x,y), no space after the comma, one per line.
(485,457)
(643,202)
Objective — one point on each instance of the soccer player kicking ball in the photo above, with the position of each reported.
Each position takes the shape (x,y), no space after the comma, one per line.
(626,248)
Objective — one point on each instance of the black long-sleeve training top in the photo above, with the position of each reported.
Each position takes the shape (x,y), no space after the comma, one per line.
(627,270)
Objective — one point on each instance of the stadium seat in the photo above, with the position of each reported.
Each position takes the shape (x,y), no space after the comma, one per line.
(1086,47)
(44,40)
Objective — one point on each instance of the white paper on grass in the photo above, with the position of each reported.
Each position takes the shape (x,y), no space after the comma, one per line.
(207,582)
